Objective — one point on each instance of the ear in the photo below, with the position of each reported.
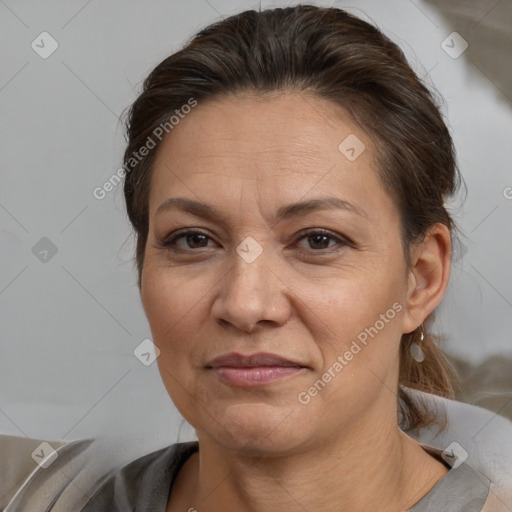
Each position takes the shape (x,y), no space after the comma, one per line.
(428,275)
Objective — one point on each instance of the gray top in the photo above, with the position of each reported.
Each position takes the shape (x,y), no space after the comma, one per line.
(461,489)
(144,485)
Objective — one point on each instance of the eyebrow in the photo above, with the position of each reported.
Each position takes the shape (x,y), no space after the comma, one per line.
(285,212)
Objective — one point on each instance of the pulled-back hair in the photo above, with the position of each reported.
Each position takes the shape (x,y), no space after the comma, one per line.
(336,56)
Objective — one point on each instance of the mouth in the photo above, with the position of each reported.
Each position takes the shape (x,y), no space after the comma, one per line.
(253,370)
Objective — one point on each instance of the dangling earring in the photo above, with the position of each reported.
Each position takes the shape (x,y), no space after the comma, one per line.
(415,349)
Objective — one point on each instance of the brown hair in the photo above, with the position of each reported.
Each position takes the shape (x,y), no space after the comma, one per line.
(339,57)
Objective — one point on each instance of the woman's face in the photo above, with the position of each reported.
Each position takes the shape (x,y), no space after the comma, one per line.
(302,260)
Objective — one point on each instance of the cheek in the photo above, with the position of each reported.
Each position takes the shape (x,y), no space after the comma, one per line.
(359,328)
(359,319)
(357,301)
(170,303)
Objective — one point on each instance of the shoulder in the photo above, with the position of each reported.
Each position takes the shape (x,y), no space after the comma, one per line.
(143,483)
(461,489)
(480,438)
(84,475)
(34,471)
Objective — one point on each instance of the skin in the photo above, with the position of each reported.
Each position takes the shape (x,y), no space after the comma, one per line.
(260,447)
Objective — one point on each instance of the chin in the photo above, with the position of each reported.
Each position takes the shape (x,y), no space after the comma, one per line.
(257,429)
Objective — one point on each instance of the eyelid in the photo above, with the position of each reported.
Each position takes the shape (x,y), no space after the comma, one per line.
(322,231)
(342,242)
(169,241)
(165,243)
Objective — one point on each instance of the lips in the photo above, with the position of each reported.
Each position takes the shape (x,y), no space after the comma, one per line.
(253,370)
(235,360)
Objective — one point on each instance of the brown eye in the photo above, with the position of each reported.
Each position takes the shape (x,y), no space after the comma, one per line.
(193,240)
(320,240)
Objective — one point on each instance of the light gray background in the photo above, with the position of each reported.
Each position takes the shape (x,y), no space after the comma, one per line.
(69,325)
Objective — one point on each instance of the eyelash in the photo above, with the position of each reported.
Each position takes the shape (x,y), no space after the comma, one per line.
(169,243)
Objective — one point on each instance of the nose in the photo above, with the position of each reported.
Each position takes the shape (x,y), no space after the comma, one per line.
(252,295)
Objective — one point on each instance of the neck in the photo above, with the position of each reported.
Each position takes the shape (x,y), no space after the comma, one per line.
(368,466)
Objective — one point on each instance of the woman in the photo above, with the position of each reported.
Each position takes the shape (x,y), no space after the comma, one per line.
(286,175)
(292,243)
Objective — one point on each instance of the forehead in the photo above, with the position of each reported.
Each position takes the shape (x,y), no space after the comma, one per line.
(287,126)
(286,143)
